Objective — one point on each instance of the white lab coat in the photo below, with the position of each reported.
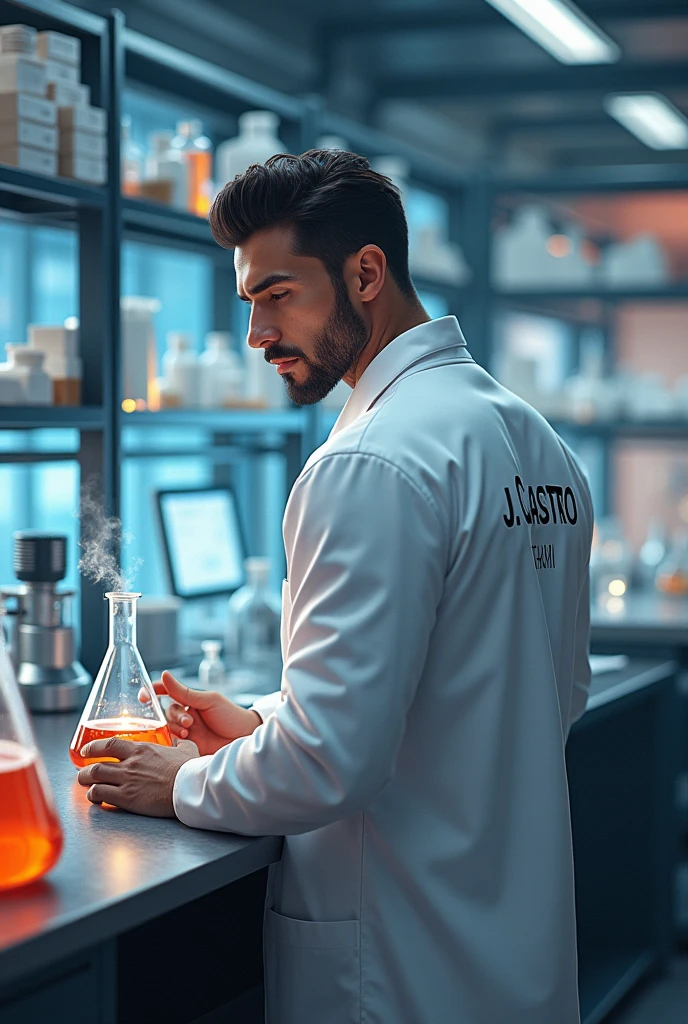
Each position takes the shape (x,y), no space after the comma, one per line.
(435,639)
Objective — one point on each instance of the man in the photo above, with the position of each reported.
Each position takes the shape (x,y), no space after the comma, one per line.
(435,631)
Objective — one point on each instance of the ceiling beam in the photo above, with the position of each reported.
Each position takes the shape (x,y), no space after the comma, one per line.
(390,21)
(543,125)
(624,77)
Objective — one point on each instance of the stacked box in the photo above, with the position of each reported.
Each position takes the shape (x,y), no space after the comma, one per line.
(28,121)
(83,143)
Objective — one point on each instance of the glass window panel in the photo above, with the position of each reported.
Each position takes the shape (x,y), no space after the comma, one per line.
(54,275)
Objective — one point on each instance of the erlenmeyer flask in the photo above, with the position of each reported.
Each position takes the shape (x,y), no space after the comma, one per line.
(30,833)
(114,706)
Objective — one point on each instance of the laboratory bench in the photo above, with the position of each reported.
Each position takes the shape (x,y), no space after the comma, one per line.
(144,918)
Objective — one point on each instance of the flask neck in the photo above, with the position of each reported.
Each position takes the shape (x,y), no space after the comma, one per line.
(122,618)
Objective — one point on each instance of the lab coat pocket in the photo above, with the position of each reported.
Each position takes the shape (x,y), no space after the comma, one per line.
(312,971)
(284,623)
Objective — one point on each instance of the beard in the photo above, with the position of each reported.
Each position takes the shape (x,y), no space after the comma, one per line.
(336,350)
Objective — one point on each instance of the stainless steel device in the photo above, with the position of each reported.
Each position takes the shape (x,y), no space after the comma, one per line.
(42,641)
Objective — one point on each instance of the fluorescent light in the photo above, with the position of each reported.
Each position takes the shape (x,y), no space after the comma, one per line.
(561,28)
(650,117)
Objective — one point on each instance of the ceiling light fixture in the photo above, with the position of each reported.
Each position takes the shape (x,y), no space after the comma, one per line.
(562,29)
(650,117)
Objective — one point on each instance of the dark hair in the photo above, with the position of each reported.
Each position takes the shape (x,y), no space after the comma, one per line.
(334,201)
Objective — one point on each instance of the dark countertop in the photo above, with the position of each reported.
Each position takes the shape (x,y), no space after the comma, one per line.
(120,870)
(117,870)
(643,619)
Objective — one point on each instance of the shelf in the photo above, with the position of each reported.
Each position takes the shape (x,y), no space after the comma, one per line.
(153,222)
(642,430)
(231,421)
(48,417)
(28,193)
(673,292)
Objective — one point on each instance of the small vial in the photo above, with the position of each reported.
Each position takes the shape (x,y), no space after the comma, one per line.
(211,671)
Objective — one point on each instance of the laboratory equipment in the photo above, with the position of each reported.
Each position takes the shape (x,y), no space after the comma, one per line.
(60,346)
(672,574)
(166,166)
(222,372)
(138,346)
(157,631)
(25,364)
(611,562)
(43,644)
(30,833)
(181,369)
(652,554)
(211,671)
(122,701)
(131,161)
(256,142)
(197,153)
(253,631)
(203,541)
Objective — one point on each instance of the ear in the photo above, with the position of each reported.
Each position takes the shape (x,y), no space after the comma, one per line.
(370,270)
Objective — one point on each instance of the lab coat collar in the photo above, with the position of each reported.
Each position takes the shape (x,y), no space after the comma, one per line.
(419,345)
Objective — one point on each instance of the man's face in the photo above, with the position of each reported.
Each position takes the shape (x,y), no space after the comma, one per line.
(306,327)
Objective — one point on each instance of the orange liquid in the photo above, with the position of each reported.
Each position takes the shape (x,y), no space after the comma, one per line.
(30,833)
(139,730)
(200,165)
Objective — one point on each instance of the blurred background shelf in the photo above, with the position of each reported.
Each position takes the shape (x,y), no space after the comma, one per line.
(37,417)
(157,224)
(27,193)
(668,293)
(651,430)
(230,421)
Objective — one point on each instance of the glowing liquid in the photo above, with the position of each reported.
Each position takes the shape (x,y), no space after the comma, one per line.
(139,730)
(200,165)
(673,583)
(30,834)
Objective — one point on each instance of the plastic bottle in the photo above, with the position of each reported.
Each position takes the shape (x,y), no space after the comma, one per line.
(197,153)
(264,386)
(181,369)
(30,832)
(672,574)
(253,631)
(131,162)
(211,671)
(652,554)
(166,163)
(256,142)
(222,371)
(25,364)
(122,701)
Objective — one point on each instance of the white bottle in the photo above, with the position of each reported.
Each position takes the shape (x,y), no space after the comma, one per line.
(131,161)
(253,631)
(211,671)
(139,358)
(181,369)
(166,163)
(222,372)
(26,365)
(256,142)
(264,386)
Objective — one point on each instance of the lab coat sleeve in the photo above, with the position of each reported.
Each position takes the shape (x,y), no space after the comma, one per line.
(366,559)
(266,705)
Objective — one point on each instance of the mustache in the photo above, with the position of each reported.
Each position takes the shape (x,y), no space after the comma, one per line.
(282,352)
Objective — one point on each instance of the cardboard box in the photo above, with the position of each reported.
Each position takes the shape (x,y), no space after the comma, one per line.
(57,46)
(18,106)
(59,72)
(69,94)
(26,133)
(26,158)
(83,168)
(19,73)
(83,119)
(18,39)
(93,147)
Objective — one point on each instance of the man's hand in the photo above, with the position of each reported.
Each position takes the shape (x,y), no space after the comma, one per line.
(207,718)
(142,782)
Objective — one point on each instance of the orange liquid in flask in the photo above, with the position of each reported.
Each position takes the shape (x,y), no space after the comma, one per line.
(30,834)
(139,730)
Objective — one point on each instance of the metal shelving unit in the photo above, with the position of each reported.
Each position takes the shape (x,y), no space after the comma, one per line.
(32,199)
